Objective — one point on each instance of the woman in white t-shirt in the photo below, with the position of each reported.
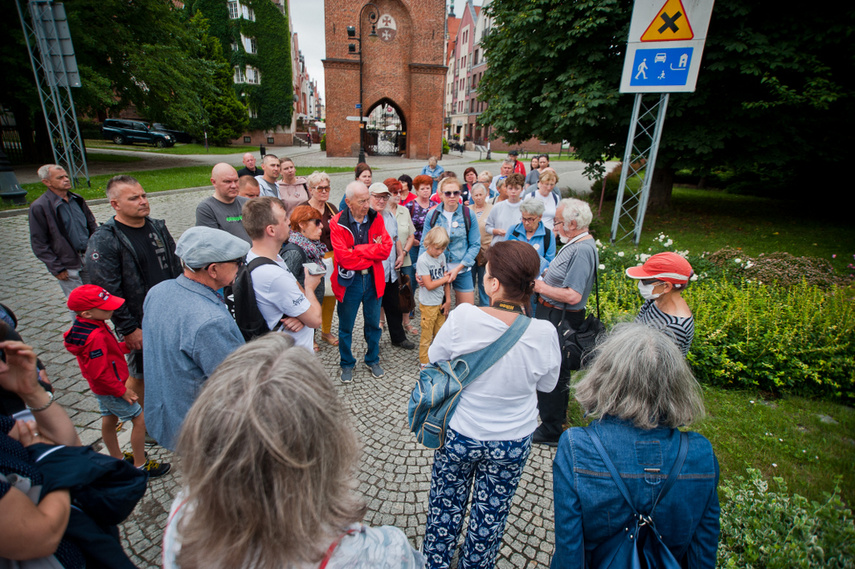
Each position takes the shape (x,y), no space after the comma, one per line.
(489,436)
(268,456)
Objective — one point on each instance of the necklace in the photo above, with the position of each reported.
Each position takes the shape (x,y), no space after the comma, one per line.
(508,307)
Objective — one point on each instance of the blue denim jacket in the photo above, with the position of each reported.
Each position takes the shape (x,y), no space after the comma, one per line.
(463,248)
(589,508)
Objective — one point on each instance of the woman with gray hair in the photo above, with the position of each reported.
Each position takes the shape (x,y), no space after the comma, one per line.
(562,294)
(268,454)
(640,390)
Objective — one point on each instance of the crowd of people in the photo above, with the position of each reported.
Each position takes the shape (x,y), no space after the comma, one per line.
(496,248)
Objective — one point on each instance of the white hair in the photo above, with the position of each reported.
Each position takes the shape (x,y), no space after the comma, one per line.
(352,188)
(44,171)
(578,211)
(532,207)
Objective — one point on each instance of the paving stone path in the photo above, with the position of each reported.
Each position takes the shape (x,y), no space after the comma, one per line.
(394,472)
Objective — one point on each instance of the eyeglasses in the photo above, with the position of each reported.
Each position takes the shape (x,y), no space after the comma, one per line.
(451,194)
(322,188)
(530,219)
(557,222)
(382,197)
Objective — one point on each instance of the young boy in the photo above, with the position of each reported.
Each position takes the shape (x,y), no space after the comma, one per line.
(101,360)
(435,296)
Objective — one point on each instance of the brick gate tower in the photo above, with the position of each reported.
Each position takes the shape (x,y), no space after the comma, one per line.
(403,76)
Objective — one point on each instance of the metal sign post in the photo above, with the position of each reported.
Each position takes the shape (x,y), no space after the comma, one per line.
(55,68)
(663,55)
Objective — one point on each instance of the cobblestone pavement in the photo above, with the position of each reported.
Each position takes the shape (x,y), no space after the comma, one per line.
(394,472)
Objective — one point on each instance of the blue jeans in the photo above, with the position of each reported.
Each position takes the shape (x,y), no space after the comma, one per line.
(361,291)
(478,275)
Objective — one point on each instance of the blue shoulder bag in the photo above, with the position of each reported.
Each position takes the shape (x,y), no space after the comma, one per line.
(640,545)
(437,392)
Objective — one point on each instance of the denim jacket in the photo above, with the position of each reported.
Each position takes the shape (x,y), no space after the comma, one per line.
(589,508)
(463,247)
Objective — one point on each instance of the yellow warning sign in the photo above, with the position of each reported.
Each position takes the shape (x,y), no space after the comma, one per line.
(671,23)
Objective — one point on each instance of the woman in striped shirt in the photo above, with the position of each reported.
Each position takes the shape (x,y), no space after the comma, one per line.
(661,281)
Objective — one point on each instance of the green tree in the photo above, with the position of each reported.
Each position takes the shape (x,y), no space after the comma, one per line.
(138,53)
(772,100)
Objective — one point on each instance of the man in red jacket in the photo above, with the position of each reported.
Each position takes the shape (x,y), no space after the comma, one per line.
(360,245)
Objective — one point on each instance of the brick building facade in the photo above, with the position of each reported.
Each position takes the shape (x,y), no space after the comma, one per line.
(403,77)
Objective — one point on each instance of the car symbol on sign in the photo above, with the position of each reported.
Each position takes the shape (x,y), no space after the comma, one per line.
(660,58)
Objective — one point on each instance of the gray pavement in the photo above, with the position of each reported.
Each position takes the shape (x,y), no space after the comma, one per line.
(394,472)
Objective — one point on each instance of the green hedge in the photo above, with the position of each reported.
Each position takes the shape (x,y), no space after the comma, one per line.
(796,338)
(761,528)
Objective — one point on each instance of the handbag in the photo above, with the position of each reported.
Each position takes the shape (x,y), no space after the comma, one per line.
(405,294)
(640,545)
(437,392)
(577,343)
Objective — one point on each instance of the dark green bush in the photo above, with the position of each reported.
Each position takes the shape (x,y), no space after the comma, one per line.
(763,529)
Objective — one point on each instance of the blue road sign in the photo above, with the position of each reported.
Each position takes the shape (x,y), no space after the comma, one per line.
(358,105)
(666,66)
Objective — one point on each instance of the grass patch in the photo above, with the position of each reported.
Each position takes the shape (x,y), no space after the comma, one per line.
(152,181)
(180,149)
(709,220)
(784,437)
(112,158)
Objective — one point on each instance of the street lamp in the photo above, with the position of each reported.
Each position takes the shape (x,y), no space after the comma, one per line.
(373,16)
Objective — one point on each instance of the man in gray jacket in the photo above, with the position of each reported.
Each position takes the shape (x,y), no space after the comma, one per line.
(60,226)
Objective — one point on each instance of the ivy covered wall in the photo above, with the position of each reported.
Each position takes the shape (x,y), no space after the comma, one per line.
(272,99)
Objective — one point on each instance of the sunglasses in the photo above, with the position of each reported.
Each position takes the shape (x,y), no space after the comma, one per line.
(451,194)
(323,188)
(649,282)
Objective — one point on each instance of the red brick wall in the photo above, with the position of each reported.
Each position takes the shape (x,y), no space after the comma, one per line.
(408,71)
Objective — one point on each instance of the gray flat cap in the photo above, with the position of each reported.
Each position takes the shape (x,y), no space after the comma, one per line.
(199,246)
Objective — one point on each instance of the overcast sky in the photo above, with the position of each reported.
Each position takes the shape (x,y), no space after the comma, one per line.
(307,21)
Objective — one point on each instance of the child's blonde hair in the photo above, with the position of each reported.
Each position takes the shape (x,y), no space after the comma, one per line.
(437,237)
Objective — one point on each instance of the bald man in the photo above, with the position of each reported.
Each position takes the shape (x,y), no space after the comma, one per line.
(223,209)
(249,168)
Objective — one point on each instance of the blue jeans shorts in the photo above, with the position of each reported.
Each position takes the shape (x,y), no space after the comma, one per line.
(463,282)
(112,405)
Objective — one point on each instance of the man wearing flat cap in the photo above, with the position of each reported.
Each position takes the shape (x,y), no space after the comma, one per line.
(187,329)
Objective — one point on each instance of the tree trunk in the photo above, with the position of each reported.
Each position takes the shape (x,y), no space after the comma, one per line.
(660,189)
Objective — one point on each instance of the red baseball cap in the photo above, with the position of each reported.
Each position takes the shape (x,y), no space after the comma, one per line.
(666,267)
(91,296)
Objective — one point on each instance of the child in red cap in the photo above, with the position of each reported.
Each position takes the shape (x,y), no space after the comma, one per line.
(102,362)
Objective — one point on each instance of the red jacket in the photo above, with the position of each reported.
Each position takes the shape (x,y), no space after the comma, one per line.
(369,256)
(100,356)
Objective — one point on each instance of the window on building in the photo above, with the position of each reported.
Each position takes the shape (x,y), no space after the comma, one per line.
(235,46)
(234,10)
(239,77)
(253,46)
(253,114)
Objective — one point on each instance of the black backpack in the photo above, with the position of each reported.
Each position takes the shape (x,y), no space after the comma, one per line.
(242,303)
(467,223)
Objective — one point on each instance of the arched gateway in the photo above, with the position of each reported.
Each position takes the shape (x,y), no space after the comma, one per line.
(396,48)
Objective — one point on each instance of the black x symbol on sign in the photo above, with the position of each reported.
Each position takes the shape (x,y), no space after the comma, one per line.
(669,22)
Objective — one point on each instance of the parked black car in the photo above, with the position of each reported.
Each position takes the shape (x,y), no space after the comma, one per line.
(123,131)
(178,135)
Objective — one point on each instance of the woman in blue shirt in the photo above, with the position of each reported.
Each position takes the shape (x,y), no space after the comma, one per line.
(641,390)
(433,170)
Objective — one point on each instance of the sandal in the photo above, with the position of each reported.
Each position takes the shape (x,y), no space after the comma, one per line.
(329,339)
(411,329)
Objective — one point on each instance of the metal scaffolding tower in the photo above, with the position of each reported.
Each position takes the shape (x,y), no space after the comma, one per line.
(55,68)
(639,159)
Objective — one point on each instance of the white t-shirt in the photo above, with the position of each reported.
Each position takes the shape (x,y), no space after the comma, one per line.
(501,404)
(277,293)
(549,208)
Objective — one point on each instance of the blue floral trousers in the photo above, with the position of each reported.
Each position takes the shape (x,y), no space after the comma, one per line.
(495,468)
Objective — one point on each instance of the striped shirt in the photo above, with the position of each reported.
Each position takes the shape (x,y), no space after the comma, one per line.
(681,330)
